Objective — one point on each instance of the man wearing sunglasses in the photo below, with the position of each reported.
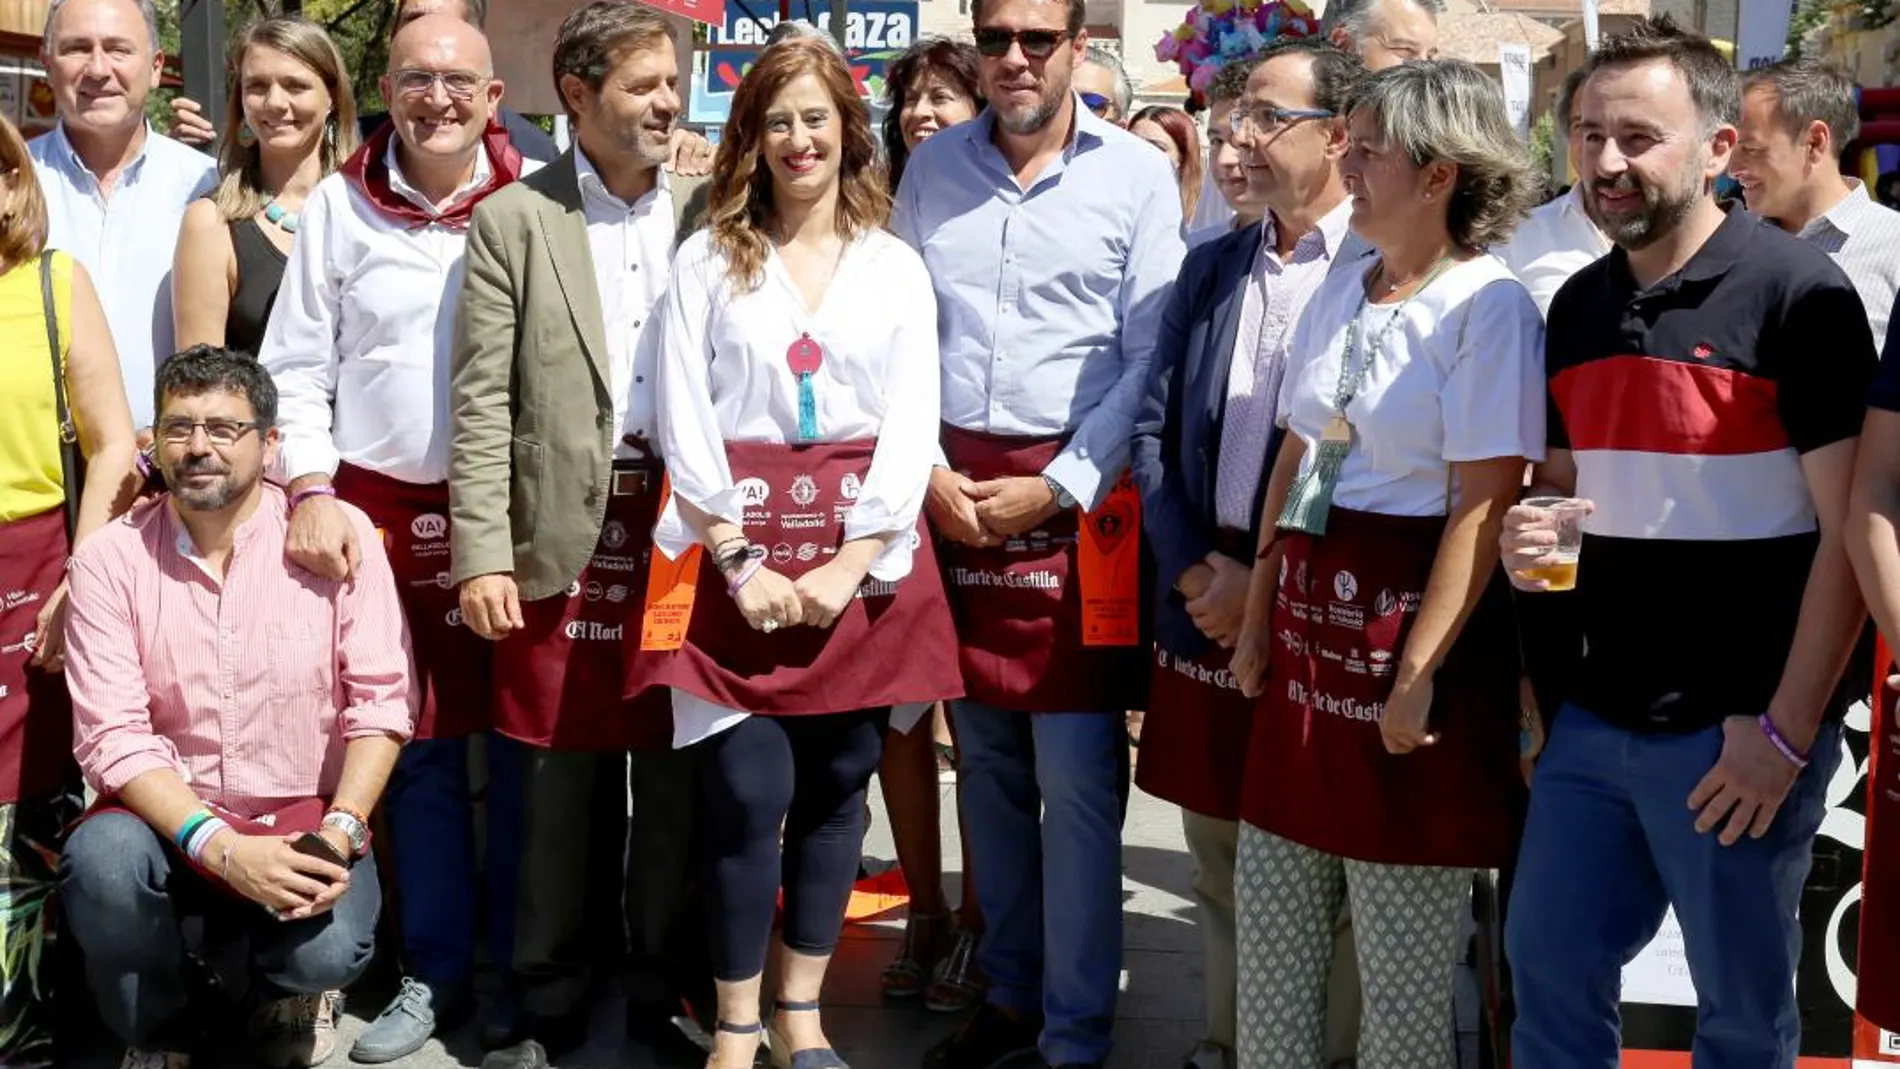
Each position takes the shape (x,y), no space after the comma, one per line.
(1052,238)
(1102,83)
(359,344)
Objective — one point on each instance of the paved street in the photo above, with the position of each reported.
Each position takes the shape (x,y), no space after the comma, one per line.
(1160,1007)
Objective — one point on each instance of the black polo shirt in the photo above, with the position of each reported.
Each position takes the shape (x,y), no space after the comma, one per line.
(1687,406)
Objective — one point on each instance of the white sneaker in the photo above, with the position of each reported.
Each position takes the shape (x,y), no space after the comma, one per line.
(296,1032)
(155,1059)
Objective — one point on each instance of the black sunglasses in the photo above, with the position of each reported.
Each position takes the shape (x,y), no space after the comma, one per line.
(994,42)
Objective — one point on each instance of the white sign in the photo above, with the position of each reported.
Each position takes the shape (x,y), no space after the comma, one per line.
(1514,69)
(1763,34)
(1659,976)
(1591,35)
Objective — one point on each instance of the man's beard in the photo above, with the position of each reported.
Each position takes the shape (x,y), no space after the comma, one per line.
(1662,211)
(1033,120)
(214,497)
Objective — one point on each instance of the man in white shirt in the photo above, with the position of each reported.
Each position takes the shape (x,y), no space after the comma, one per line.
(1797,116)
(359,346)
(1226,171)
(116,190)
(565,274)
(1559,238)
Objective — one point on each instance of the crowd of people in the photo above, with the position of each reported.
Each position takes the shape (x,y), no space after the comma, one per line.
(672,493)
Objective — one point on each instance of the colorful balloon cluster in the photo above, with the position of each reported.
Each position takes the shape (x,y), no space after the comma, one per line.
(1219,31)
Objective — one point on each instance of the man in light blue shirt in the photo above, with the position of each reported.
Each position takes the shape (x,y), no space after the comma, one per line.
(1052,238)
(116,190)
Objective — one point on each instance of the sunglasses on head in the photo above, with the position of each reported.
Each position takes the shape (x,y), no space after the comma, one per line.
(994,42)
(1096,103)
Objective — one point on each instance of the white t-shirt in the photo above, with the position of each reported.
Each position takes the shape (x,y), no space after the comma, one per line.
(1459,378)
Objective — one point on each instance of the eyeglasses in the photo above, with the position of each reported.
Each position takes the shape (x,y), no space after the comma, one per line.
(994,41)
(220,432)
(1271,120)
(461,85)
(1096,103)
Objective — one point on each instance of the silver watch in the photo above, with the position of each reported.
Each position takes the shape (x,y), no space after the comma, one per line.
(352,829)
(1064,499)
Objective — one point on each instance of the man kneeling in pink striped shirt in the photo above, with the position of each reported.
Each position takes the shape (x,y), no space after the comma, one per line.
(238,717)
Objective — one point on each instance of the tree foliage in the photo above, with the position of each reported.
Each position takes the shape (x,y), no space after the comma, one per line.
(359,27)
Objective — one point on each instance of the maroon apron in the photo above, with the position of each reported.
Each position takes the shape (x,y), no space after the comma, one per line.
(1018,606)
(1879,967)
(452,661)
(1317,770)
(894,643)
(1194,736)
(36,718)
(558,681)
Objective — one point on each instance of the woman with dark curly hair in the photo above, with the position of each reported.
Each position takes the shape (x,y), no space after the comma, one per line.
(798,402)
(1384,762)
(932,86)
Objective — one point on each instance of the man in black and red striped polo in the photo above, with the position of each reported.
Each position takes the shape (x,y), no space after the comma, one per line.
(1707,381)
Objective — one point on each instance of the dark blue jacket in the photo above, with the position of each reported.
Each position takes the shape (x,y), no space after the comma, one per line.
(1178,432)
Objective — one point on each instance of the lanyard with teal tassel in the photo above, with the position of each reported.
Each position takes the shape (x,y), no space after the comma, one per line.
(1310,500)
(804,357)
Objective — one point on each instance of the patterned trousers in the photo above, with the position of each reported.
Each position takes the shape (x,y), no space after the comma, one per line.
(31,835)
(1405,921)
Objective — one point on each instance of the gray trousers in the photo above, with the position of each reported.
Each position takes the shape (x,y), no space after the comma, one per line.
(1213,844)
(571,917)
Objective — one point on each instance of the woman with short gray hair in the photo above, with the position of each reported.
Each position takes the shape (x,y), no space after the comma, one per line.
(1384,764)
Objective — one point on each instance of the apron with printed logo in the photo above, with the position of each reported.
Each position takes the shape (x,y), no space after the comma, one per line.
(36,721)
(1318,772)
(559,680)
(1047,622)
(893,645)
(452,661)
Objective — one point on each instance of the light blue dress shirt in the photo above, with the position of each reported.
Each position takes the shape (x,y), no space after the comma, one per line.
(126,241)
(1049,299)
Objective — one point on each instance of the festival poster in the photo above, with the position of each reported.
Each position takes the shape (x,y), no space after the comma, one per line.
(876,32)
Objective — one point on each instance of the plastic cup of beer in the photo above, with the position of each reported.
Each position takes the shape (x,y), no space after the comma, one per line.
(1566,518)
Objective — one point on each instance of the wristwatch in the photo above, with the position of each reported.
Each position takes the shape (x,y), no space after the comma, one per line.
(1064,499)
(353,829)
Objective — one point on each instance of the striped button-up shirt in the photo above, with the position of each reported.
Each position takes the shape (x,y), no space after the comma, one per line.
(248,687)
(1864,239)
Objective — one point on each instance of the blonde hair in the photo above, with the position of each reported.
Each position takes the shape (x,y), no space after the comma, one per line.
(741,200)
(23,227)
(241,193)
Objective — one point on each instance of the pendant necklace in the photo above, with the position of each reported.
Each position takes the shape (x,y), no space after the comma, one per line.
(282,217)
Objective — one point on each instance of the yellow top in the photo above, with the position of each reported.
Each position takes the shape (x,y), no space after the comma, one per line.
(30,481)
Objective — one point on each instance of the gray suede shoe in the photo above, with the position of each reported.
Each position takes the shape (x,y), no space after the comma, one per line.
(415,1014)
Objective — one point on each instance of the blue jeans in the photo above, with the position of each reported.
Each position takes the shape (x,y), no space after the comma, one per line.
(123,890)
(1038,798)
(432,841)
(1609,845)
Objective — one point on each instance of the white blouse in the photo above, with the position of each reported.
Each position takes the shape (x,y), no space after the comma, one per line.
(722,377)
(1460,378)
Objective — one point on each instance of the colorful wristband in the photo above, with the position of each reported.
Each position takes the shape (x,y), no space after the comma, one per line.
(201,838)
(745,576)
(190,826)
(1794,756)
(308,492)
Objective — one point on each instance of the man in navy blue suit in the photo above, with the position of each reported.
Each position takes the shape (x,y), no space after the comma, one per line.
(1203,445)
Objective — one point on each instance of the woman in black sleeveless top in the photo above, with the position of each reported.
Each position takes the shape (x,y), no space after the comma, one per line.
(291,121)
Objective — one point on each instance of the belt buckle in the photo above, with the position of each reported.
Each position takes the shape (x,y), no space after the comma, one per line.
(628,483)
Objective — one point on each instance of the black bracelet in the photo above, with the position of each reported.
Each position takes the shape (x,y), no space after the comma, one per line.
(739,557)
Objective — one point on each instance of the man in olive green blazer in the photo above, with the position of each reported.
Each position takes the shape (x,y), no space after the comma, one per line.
(553,354)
